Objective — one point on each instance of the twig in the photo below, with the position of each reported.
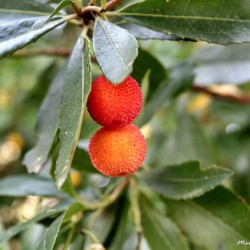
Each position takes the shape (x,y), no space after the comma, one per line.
(136,210)
(240,98)
(64,52)
(112,3)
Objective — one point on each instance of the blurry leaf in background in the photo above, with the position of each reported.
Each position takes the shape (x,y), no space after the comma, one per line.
(185,181)
(180,78)
(188,142)
(216,220)
(16,229)
(24,185)
(144,62)
(220,65)
(191,20)
(47,126)
(160,231)
(114,46)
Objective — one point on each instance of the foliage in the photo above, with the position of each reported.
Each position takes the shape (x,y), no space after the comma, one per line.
(192,191)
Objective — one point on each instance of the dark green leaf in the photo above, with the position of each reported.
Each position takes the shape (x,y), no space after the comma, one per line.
(16,229)
(60,6)
(82,162)
(47,126)
(214,21)
(9,46)
(24,185)
(75,92)
(185,181)
(217,220)
(48,239)
(161,233)
(115,50)
(180,78)
(144,62)
(144,33)
(220,65)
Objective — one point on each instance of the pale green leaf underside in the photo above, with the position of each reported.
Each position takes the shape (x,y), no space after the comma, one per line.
(115,50)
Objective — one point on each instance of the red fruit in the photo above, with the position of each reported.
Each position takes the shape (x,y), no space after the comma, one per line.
(117,152)
(114,106)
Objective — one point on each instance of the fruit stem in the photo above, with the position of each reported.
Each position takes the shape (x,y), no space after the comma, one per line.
(91,235)
(69,238)
(136,210)
(114,195)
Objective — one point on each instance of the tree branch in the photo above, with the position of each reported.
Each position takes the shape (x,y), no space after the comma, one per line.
(112,4)
(64,52)
(239,98)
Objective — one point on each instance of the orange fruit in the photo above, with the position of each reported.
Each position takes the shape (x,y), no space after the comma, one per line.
(114,106)
(117,152)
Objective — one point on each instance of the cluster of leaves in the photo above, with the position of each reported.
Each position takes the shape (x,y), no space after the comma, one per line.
(175,197)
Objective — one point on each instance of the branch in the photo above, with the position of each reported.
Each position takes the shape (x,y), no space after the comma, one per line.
(239,98)
(64,52)
(112,3)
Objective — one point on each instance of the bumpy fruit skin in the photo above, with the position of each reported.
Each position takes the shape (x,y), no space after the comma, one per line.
(114,106)
(117,152)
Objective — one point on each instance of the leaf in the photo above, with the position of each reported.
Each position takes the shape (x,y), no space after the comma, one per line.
(115,50)
(161,233)
(48,239)
(143,33)
(217,220)
(144,62)
(180,78)
(47,126)
(59,7)
(24,185)
(188,142)
(16,229)
(185,181)
(18,17)
(220,65)
(74,97)
(215,21)
(9,46)
(82,162)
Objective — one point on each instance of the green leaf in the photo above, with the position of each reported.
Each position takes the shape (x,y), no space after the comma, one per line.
(144,62)
(215,21)
(115,50)
(180,78)
(161,233)
(48,239)
(82,162)
(47,126)
(18,17)
(9,46)
(217,220)
(185,181)
(220,65)
(16,229)
(188,142)
(77,84)
(59,7)
(24,185)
